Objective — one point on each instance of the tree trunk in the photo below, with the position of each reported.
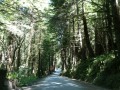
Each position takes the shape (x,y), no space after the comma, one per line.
(49,63)
(3,74)
(87,40)
(109,26)
(116,20)
(91,52)
(39,74)
(18,58)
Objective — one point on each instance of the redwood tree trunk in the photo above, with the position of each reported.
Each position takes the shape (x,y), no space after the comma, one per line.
(87,40)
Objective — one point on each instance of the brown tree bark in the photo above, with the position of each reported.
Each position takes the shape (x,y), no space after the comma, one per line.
(87,40)
(88,44)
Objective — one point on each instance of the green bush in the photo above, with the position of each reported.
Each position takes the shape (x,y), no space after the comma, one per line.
(12,75)
(113,81)
(66,73)
(81,71)
(100,79)
(23,81)
(102,70)
(22,77)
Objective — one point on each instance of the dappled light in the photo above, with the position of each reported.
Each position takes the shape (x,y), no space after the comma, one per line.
(59,44)
(58,83)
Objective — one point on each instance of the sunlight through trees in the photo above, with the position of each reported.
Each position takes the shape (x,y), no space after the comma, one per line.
(79,36)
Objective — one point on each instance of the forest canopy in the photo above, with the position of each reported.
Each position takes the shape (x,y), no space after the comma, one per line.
(79,36)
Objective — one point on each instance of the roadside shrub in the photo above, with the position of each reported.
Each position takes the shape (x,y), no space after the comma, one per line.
(24,81)
(113,81)
(22,77)
(81,71)
(66,73)
(102,70)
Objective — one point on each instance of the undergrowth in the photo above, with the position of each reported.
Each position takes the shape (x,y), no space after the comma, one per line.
(22,79)
(102,70)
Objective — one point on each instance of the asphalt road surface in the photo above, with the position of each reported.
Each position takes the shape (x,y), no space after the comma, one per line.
(56,82)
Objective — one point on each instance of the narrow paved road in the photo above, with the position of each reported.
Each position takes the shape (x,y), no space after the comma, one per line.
(56,82)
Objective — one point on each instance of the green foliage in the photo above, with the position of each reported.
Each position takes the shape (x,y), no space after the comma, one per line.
(23,79)
(27,80)
(12,75)
(81,70)
(113,81)
(67,73)
(99,71)
(57,3)
(98,66)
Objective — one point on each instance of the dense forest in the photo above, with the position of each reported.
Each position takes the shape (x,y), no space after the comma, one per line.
(82,37)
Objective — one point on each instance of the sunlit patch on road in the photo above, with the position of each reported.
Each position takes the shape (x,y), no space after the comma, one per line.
(56,82)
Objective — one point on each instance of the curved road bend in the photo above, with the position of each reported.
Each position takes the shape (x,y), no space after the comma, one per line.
(56,82)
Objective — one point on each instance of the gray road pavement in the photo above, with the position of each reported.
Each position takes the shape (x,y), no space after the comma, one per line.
(56,82)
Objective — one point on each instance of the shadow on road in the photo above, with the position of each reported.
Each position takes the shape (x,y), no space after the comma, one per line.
(56,82)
